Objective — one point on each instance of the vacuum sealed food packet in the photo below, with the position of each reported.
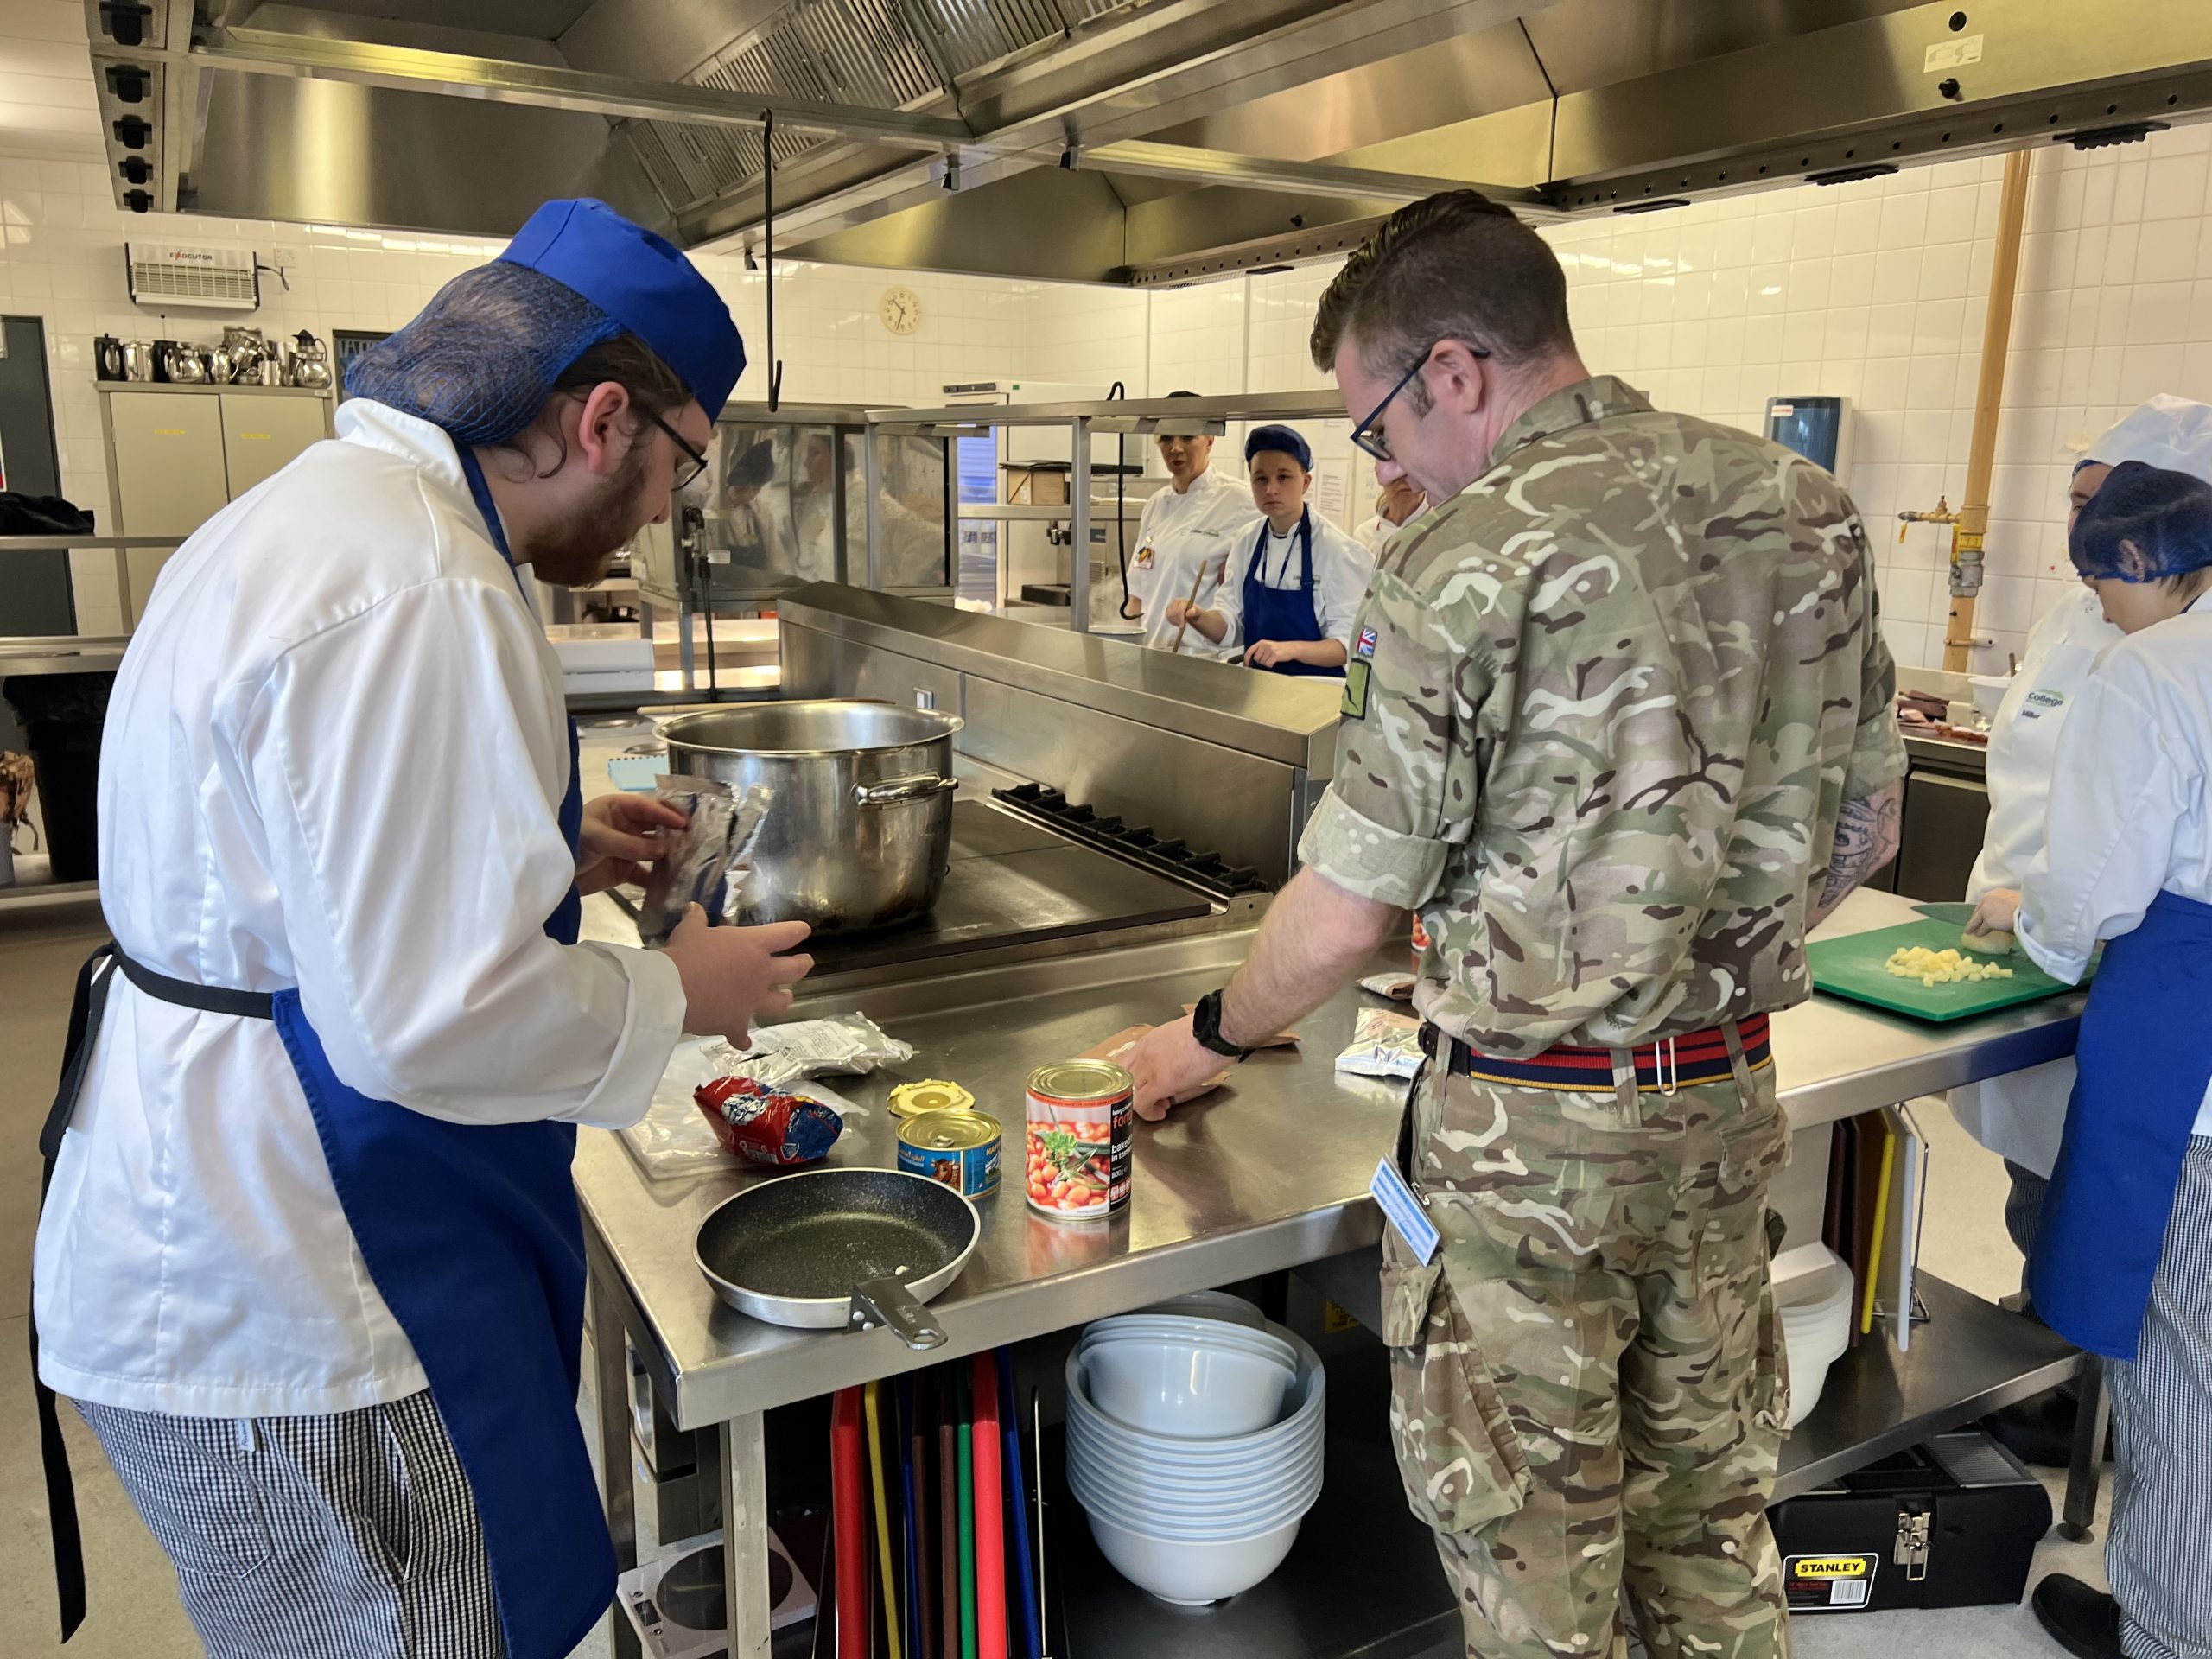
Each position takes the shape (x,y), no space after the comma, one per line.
(764,1126)
(706,861)
(844,1045)
(1384,1045)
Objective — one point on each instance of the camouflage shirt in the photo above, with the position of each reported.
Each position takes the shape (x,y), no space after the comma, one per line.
(1602,710)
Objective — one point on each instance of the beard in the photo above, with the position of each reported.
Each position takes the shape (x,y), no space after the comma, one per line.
(582,549)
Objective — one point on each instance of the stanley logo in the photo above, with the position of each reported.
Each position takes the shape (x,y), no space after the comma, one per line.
(1830,1566)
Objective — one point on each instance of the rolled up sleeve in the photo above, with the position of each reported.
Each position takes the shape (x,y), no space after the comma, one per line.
(1405,788)
(1371,859)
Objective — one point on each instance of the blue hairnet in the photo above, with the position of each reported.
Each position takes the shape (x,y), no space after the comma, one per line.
(1281,441)
(482,359)
(2144,522)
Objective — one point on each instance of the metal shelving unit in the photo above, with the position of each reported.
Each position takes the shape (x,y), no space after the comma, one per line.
(1204,418)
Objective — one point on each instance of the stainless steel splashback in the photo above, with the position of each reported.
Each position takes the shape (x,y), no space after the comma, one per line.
(1229,760)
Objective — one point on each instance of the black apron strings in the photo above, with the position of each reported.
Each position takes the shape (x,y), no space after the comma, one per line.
(86,1010)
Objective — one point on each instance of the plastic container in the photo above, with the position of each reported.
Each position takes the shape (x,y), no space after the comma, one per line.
(1191,1391)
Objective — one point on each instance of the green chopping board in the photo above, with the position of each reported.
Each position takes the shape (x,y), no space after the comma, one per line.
(1851,967)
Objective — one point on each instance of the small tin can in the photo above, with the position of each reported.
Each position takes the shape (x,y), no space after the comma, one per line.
(930,1095)
(1076,1149)
(959,1148)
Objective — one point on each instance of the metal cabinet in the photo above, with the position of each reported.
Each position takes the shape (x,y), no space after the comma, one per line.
(261,433)
(178,454)
(1945,817)
(169,471)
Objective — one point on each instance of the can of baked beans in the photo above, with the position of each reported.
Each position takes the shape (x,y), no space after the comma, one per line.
(1078,1148)
(958,1149)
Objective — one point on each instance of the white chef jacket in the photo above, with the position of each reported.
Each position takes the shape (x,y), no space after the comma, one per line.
(1177,534)
(2022,1115)
(1373,532)
(334,759)
(1342,570)
(2132,819)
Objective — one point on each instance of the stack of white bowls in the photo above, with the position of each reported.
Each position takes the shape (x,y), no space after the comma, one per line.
(1194,1444)
(1813,1290)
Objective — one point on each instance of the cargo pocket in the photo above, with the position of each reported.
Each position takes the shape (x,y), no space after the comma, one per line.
(1460,1460)
(1771,1371)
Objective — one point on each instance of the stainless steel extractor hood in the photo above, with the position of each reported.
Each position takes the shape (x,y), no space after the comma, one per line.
(1146,141)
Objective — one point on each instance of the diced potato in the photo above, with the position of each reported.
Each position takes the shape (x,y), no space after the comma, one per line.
(1990,944)
(1934,968)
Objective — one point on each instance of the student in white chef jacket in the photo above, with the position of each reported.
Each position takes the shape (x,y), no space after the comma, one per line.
(310,1263)
(1292,599)
(2121,1262)
(2020,1116)
(1187,537)
(1397,502)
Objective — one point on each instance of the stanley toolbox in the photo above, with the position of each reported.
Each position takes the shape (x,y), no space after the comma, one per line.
(1951,1523)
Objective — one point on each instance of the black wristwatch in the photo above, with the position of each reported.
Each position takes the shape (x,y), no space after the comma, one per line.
(1205,1026)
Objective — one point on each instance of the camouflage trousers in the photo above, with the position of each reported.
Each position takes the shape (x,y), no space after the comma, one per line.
(1587,1391)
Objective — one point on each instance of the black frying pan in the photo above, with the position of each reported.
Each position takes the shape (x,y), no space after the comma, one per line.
(831,1248)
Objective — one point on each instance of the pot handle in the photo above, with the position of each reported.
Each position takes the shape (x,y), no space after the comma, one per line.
(888,1301)
(897,791)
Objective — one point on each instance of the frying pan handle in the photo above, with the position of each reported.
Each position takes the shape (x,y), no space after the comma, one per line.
(888,1301)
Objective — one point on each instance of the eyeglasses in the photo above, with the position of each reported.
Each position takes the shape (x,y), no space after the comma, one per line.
(695,461)
(1368,434)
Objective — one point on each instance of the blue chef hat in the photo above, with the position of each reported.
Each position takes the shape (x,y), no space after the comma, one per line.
(482,358)
(1283,440)
(2144,522)
(642,282)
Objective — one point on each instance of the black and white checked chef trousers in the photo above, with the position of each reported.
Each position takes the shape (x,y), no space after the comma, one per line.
(2162,1423)
(351,1536)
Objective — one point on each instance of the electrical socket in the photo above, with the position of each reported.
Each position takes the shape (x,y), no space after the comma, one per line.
(284,258)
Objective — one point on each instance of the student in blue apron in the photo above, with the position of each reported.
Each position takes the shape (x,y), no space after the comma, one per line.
(310,1263)
(1291,595)
(2121,1261)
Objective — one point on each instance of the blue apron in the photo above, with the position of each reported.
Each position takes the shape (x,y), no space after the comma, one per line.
(2145,1056)
(1284,613)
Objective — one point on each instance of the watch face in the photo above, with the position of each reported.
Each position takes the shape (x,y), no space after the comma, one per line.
(900,309)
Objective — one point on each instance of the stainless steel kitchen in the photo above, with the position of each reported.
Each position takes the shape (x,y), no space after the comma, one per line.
(993,828)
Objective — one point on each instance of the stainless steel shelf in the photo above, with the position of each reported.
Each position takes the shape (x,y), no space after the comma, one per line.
(1363,1580)
(1971,1358)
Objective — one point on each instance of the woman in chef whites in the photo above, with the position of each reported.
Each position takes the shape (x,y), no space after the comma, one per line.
(2019,1115)
(1292,594)
(2121,1261)
(310,1263)
(1187,536)
(1396,502)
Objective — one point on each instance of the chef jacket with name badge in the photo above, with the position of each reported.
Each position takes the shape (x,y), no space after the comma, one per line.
(2021,1115)
(1207,526)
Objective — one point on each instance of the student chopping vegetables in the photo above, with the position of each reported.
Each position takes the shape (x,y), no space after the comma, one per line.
(310,1264)
(2121,1262)
(1291,596)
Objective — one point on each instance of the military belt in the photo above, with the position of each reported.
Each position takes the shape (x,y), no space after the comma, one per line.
(1670,1063)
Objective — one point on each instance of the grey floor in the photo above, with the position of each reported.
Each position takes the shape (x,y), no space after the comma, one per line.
(134,1607)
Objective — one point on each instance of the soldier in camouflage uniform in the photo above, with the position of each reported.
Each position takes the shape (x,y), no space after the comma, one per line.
(1618,728)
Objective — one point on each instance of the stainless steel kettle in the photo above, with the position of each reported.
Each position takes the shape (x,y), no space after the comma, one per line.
(186,367)
(309,364)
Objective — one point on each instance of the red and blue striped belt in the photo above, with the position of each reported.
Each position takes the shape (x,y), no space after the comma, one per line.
(1672,1062)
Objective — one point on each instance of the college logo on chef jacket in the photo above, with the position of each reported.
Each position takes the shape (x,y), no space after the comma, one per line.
(2040,701)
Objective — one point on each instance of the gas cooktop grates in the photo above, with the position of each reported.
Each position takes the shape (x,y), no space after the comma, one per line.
(1208,872)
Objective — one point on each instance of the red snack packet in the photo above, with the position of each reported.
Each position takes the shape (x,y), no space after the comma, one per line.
(756,1123)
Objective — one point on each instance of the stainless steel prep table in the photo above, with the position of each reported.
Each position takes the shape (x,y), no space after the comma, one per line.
(1270,1174)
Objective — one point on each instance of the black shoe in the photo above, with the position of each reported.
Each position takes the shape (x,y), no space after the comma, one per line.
(2039,1432)
(2084,1622)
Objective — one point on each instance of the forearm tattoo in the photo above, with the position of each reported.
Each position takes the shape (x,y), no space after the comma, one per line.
(1866,839)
